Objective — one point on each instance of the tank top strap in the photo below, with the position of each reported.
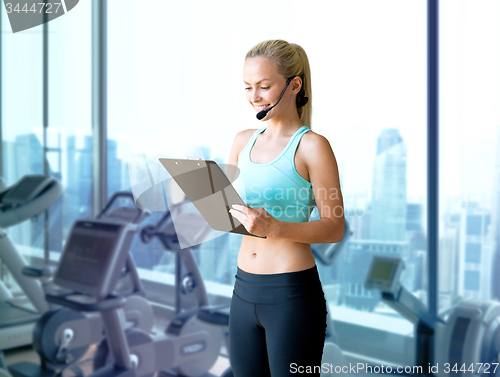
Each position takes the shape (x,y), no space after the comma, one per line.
(251,142)
(292,147)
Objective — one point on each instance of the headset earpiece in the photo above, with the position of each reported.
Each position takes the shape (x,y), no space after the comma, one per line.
(301,98)
(302,101)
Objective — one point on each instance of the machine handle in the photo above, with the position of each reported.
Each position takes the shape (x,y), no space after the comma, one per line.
(116,196)
(37,272)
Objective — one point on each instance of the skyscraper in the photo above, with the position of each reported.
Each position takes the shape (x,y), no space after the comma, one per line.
(78,178)
(388,202)
(475,254)
(417,246)
(448,256)
(114,168)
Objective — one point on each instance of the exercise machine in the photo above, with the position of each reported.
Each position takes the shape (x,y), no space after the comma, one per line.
(466,343)
(188,282)
(90,273)
(61,337)
(27,198)
(384,275)
(469,342)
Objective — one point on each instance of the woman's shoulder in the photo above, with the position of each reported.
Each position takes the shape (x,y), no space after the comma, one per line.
(247,133)
(243,137)
(312,140)
(314,146)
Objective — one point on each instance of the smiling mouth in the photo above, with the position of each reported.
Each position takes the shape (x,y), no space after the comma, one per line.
(260,108)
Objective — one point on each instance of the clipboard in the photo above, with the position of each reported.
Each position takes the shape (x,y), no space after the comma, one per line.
(209,189)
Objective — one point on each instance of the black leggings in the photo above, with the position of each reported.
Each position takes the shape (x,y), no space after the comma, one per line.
(277,324)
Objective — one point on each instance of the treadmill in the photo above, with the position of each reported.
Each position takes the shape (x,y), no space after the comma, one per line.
(30,196)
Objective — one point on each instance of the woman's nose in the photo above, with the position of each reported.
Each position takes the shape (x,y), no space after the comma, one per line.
(255,96)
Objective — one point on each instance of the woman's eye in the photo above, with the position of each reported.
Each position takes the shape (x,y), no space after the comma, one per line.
(264,87)
(247,88)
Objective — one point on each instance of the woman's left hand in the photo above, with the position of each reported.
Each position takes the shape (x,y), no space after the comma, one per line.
(255,220)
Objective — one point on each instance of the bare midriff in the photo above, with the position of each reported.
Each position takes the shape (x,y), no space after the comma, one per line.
(273,255)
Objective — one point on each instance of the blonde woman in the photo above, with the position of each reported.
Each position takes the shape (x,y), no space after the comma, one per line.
(278,311)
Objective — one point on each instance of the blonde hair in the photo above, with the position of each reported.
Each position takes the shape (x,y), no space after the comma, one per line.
(290,60)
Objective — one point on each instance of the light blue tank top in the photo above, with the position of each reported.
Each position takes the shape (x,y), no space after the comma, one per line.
(276,186)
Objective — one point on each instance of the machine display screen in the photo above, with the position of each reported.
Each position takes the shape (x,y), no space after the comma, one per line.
(25,188)
(87,253)
(382,271)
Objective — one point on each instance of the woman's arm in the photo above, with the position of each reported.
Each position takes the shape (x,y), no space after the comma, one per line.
(323,173)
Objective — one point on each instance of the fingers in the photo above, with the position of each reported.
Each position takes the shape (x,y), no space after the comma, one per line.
(240,215)
(242,218)
(250,212)
(242,208)
(235,214)
(252,218)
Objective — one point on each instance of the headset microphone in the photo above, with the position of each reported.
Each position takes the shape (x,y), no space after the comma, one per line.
(262,114)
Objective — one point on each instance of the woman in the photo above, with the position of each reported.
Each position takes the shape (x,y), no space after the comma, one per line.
(278,311)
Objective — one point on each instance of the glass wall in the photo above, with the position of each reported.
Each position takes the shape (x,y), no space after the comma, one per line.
(22,120)
(68,144)
(69,135)
(469,250)
(176,89)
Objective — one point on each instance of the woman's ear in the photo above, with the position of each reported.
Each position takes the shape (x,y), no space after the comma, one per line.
(296,84)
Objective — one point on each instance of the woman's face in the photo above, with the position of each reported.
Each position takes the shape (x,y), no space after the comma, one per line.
(263,86)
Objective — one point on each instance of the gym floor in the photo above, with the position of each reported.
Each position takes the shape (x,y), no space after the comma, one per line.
(27,353)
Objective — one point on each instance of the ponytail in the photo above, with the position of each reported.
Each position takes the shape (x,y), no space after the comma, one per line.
(305,112)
